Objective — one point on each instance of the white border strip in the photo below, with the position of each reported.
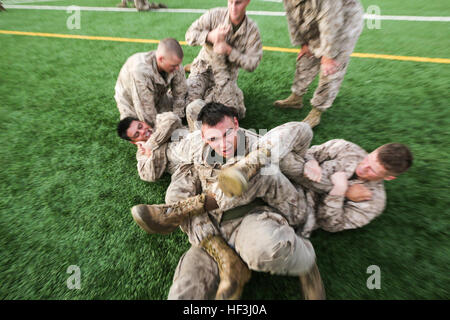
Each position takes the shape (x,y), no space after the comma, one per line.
(255,13)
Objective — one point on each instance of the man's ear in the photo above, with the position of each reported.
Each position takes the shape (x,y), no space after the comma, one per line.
(203,136)
(236,122)
(388,178)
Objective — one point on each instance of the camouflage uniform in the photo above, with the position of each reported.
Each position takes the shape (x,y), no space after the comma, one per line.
(330,28)
(214,77)
(142,92)
(261,235)
(335,213)
(167,125)
(288,143)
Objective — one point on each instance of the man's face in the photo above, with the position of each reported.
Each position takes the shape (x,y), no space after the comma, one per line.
(236,9)
(169,63)
(222,137)
(139,131)
(371,169)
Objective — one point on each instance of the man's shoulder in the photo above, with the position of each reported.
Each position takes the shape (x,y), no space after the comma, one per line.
(141,61)
(218,10)
(251,134)
(343,145)
(138,56)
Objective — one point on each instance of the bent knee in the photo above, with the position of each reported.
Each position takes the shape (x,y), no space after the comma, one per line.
(267,243)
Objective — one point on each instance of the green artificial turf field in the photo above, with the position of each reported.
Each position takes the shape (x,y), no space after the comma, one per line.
(68,182)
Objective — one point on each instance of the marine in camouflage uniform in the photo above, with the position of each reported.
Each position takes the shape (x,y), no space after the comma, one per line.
(325,210)
(214,77)
(262,236)
(271,186)
(142,91)
(142,5)
(331,213)
(336,213)
(330,30)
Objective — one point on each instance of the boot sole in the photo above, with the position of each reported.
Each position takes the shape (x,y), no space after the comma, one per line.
(232,182)
(136,212)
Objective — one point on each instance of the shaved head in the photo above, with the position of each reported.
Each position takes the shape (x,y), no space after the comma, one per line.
(169,55)
(170,46)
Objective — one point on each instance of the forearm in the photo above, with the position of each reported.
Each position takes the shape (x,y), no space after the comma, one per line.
(330,214)
(179,93)
(197,33)
(336,213)
(144,102)
(248,60)
(152,168)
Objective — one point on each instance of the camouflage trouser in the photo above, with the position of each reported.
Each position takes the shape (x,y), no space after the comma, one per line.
(263,238)
(192,111)
(215,88)
(288,144)
(307,69)
(264,241)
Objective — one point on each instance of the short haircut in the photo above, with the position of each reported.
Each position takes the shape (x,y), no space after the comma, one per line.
(213,112)
(171,45)
(123,126)
(396,158)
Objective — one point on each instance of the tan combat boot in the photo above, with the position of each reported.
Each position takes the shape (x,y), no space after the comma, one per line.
(234,273)
(293,101)
(312,285)
(233,181)
(313,118)
(187,68)
(164,218)
(162,6)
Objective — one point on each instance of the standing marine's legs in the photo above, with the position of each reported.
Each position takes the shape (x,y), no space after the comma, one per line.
(306,69)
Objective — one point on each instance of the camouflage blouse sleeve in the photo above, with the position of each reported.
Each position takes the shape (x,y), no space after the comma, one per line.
(198,32)
(333,156)
(152,168)
(179,91)
(336,214)
(251,56)
(143,99)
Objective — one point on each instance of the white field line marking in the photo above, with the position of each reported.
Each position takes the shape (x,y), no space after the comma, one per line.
(8,2)
(255,13)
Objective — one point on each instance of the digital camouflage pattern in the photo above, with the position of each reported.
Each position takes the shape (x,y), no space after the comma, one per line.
(329,28)
(142,92)
(214,77)
(336,213)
